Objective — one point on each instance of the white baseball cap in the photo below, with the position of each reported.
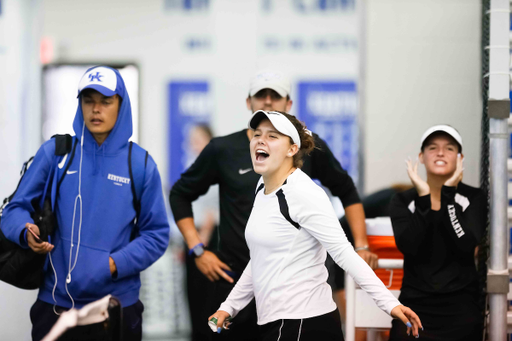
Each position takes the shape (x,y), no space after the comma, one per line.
(279,121)
(445,129)
(274,80)
(101,79)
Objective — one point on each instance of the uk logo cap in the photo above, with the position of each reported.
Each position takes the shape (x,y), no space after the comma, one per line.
(101,79)
(279,121)
(274,80)
(442,128)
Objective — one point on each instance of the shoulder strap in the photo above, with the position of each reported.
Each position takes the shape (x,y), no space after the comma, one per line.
(137,170)
(72,156)
(63,144)
(22,173)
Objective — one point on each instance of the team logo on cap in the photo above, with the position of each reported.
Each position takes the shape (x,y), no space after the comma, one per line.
(100,78)
(96,76)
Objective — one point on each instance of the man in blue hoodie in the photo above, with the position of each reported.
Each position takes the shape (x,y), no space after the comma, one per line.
(101,243)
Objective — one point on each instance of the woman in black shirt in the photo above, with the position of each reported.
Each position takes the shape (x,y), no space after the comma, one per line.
(437,226)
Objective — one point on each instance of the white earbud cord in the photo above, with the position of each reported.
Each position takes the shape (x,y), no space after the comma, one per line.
(78,199)
(54,286)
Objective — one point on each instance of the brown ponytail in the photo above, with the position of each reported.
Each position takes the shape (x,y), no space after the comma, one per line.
(307,143)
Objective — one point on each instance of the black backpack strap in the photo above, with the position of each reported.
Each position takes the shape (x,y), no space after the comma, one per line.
(136,202)
(63,144)
(71,157)
(22,173)
(134,180)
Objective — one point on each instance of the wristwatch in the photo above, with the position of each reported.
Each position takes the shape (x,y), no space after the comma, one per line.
(196,251)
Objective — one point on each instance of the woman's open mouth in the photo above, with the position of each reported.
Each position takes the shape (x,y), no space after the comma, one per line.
(261,155)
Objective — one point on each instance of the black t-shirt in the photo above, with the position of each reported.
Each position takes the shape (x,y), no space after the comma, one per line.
(227,161)
(439,246)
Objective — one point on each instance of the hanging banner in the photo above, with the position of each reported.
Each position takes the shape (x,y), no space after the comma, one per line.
(189,105)
(330,110)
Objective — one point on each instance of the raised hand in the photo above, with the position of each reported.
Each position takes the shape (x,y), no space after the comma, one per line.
(421,185)
(409,318)
(454,180)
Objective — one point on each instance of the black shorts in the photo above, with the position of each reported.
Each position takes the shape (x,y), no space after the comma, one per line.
(325,327)
(445,317)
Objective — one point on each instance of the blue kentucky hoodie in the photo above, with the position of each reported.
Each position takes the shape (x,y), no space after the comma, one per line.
(98,223)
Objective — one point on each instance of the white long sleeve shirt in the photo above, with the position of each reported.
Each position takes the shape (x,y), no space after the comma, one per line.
(288,233)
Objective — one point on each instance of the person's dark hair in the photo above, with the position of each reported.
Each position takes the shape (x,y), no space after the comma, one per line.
(435,134)
(89,91)
(287,96)
(307,142)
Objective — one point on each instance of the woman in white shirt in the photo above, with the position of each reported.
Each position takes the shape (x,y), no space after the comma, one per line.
(291,226)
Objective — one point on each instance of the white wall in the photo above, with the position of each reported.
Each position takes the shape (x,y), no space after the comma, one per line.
(19,101)
(423,68)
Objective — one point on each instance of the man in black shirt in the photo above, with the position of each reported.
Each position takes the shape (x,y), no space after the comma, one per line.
(227,161)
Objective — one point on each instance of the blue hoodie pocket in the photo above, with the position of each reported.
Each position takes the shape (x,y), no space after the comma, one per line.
(91,278)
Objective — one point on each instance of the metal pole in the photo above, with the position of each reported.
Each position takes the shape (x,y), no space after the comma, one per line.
(499,111)
(498,263)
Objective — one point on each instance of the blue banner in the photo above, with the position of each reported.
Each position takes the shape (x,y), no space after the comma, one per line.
(330,109)
(189,106)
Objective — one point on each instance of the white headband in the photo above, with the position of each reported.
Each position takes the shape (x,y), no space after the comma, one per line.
(279,121)
(443,128)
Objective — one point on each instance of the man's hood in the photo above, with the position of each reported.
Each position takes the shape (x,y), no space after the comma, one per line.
(123,129)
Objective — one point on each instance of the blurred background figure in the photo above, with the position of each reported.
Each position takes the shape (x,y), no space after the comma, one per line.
(206,208)
(206,218)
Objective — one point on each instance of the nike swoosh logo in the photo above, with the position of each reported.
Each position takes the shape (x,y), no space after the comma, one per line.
(243,171)
(61,164)
(71,172)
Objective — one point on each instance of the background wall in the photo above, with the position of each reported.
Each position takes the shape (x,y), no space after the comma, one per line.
(20,21)
(422,67)
(220,42)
